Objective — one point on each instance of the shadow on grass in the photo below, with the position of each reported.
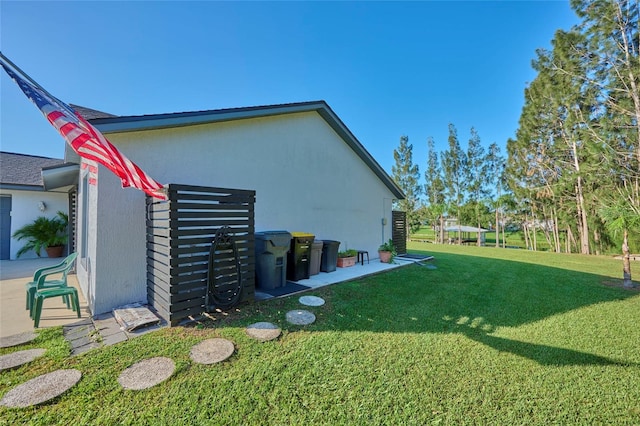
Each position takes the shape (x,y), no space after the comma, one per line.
(473,296)
(543,354)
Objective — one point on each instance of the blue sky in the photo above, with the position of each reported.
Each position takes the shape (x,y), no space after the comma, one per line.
(386,68)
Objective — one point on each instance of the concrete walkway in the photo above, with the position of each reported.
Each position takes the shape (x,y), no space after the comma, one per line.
(359,270)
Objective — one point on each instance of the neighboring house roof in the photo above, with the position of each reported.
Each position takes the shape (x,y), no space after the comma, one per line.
(119,124)
(22,171)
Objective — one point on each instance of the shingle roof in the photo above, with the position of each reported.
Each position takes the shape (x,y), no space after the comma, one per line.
(23,169)
(90,114)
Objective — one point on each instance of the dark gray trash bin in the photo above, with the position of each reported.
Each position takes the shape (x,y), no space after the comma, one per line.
(316,255)
(271,258)
(329,260)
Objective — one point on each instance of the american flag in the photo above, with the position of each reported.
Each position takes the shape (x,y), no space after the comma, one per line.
(85,139)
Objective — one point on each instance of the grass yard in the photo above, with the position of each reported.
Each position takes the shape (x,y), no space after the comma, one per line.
(511,239)
(492,336)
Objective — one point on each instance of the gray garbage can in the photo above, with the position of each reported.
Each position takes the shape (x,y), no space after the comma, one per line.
(329,260)
(316,255)
(271,258)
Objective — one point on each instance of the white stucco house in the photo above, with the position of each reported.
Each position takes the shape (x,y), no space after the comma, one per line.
(26,194)
(310,174)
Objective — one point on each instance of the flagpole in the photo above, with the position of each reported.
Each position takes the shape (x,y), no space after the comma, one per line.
(7,61)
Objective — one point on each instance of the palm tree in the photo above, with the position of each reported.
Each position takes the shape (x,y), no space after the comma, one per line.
(622,215)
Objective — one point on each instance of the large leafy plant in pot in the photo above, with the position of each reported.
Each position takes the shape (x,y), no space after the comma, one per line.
(44,233)
(387,252)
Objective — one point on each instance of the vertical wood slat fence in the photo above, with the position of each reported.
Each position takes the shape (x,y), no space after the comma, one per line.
(179,236)
(399,231)
(73,217)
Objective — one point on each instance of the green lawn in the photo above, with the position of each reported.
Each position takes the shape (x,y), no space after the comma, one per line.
(492,336)
(511,239)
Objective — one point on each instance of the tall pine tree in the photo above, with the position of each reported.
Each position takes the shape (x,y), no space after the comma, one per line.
(454,172)
(407,176)
(476,177)
(497,180)
(434,190)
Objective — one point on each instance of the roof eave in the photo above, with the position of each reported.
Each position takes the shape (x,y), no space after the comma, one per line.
(163,121)
(179,119)
(19,187)
(60,176)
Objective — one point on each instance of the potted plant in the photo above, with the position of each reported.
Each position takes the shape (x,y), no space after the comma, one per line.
(347,258)
(44,232)
(387,252)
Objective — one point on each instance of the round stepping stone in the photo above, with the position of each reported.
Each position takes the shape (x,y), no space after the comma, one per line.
(17,339)
(311,300)
(263,331)
(18,358)
(300,317)
(212,351)
(41,389)
(147,373)
(431,266)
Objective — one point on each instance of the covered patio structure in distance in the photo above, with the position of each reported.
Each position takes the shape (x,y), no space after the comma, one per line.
(462,234)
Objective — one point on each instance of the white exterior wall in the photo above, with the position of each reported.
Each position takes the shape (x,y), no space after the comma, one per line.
(24,210)
(112,271)
(306,178)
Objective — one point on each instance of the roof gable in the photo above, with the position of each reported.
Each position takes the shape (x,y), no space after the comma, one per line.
(121,124)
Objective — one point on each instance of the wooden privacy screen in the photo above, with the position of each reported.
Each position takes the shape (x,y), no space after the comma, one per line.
(399,231)
(179,236)
(73,217)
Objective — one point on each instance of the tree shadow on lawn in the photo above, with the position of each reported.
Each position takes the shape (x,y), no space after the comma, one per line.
(473,296)
(544,354)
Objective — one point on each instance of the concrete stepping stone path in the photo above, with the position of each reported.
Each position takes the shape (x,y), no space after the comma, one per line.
(41,389)
(311,300)
(17,359)
(300,317)
(211,351)
(17,339)
(147,373)
(263,331)
(141,375)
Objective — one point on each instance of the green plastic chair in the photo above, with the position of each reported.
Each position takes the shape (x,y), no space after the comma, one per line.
(42,294)
(41,274)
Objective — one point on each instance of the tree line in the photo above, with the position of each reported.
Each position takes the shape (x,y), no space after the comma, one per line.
(573,169)
(466,184)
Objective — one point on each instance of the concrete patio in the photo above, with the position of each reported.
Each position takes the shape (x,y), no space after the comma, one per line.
(359,270)
(14,318)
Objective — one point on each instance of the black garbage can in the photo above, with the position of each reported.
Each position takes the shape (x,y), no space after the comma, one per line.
(299,256)
(329,255)
(271,258)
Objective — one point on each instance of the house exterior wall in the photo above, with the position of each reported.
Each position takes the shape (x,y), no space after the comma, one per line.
(108,269)
(306,178)
(24,210)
